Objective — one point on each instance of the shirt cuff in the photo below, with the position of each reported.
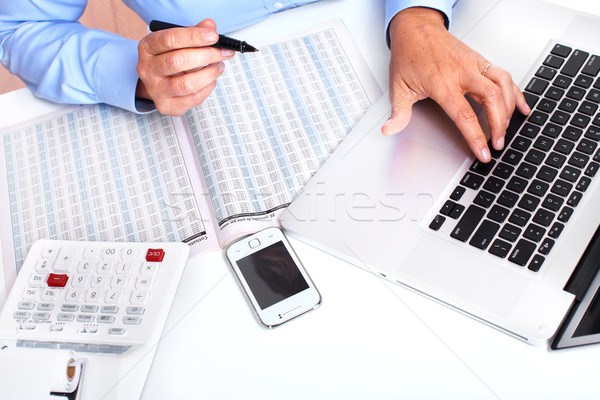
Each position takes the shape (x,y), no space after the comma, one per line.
(394,7)
(116,76)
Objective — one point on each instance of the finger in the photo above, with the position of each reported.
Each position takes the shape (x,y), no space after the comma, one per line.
(176,106)
(522,105)
(459,110)
(175,62)
(401,100)
(208,24)
(179,38)
(489,94)
(191,82)
(503,79)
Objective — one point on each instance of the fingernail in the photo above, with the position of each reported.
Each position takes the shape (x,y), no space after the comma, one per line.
(210,36)
(227,53)
(500,143)
(507,123)
(485,155)
(221,66)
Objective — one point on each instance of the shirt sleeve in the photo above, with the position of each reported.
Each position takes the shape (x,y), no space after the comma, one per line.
(393,7)
(61,60)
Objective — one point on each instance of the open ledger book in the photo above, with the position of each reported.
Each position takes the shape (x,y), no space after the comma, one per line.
(224,169)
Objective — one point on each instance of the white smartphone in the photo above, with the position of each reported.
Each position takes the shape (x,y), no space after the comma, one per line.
(272,276)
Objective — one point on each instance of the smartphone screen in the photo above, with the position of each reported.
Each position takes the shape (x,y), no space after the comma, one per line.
(272,275)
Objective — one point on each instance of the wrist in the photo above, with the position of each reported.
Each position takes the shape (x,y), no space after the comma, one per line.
(140,91)
(413,18)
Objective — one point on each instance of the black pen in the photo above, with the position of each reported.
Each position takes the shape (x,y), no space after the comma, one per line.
(224,42)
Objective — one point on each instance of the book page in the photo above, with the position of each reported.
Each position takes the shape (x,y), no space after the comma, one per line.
(98,173)
(273,119)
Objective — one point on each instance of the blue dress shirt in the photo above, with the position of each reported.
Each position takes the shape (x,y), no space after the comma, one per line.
(61,60)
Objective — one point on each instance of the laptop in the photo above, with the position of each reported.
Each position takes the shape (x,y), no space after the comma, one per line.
(513,243)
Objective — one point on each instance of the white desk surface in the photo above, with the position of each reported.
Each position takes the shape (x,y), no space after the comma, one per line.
(369,339)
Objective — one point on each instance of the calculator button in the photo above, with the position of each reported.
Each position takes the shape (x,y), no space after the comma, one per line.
(30,293)
(133,310)
(69,307)
(124,267)
(45,306)
(132,320)
(64,317)
(27,327)
(26,305)
(21,315)
(111,253)
(89,309)
(143,282)
(91,253)
(37,280)
(105,267)
(155,255)
(40,316)
(88,329)
(64,260)
(85,318)
(113,296)
(138,297)
(130,253)
(109,309)
(43,266)
(80,281)
(86,266)
(149,269)
(106,319)
(74,295)
(56,328)
(119,282)
(50,252)
(116,331)
(49,294)
(57,280)
(99,281)
(93,296)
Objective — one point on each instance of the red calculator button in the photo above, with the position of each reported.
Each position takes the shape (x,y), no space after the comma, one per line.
(155,255)
(57,280)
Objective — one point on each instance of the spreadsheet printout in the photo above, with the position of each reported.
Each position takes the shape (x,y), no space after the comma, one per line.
(96,173)
(275,116)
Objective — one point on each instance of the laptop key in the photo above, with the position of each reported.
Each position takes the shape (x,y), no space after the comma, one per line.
(550,130)
(447,207)
(538,188)
(578,159)
(576,93)
(574,198)
(546,246)
(553,202)
(537,86)
(519,217)
(572,133)
(584,81)
(561,50)
(543,217)
(559,117)
(593,95)
(592,66)
(531,99)
(510,232)
(457,193)
(556,160)
(484,234)
(543,143)
(561,188)
(556,230)
(592,169)
(500,248)
(526,170)
(484,199)
(503,170)
(521,143)
(522,252)
(493,184)
(565,214)
(535,156)
(593,132)
(498,213)
(547,105)
(597,156)
(583,183)
(562,81)
(529,202)
(540,118)
(467,224)
(534,232)
(574,63)
(547,173)
(564,146)
(587,146)
(456,211)
(517,184)
(508,198)
(472,181)
(546,73)
(568,105)
(536,263)
(554,62)
(580,120)
(482,168)
(437,222)
(531,131)
(570,173)
(554,93)
(588,108)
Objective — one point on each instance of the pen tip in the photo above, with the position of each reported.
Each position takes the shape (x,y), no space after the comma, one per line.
(249,49)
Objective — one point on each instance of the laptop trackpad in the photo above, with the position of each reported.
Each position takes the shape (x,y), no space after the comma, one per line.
(452,271)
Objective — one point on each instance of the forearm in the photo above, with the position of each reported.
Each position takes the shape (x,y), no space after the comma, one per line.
(394,7)
(63,61)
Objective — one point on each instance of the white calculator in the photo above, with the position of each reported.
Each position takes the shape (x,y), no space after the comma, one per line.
(101,297)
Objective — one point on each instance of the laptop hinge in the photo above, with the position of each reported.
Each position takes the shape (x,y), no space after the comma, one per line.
(586,269)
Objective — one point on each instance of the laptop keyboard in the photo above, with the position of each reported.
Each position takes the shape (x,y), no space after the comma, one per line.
(523,198)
